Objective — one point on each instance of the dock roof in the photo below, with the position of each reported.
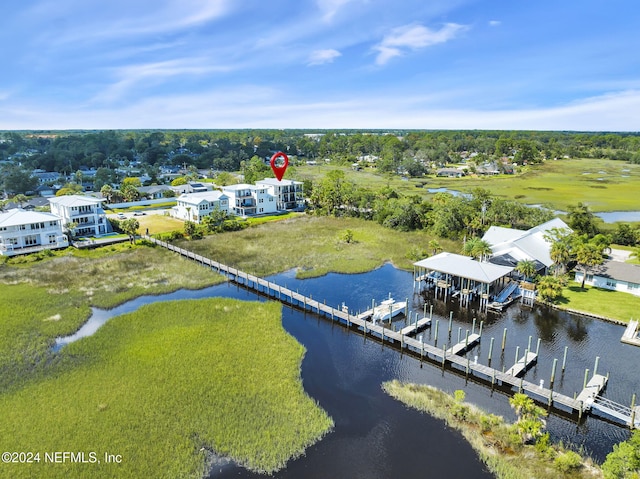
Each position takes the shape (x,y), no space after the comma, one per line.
(464,267)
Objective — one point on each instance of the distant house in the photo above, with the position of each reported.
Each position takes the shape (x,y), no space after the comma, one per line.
(86,212)
(613,275)
(289,194)
(24,232)
(155,192)
(192,187)
(510,246)
(250,200)
(196,206)
(450,172)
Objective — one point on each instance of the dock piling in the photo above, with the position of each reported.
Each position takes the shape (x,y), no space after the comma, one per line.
(586,376)
(538,346)
(473,326)
(564,358)
(553,371)
(450,322)
(480,330)
(504,339)
(436,331)
(595,366)
(490,349)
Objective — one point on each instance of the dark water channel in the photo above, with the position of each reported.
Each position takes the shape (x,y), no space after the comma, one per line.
(377,437)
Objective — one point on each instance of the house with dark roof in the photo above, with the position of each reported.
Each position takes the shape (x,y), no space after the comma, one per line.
(613,275)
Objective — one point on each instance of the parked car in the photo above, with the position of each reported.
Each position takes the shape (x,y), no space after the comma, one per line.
(121,216)
(139,213)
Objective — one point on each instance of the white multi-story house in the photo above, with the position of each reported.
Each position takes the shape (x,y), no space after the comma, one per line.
(289,194)
(250,200)
(195,206)
(24,232)
(84,211)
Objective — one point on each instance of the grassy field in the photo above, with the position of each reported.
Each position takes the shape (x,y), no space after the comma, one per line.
(159,224)
(163,388)
(314,244)
(602,302)
(52,297)
(604,185)
(493,439)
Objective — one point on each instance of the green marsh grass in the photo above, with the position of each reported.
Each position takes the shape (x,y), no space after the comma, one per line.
(52,297)
(315,245)
(604,185)
(491,437)
(163,387)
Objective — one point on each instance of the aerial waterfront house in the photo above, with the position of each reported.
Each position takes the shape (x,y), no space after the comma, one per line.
(196,206)
(250,200)
(85,211)
(510,246)
(613,275)
(23,232)
(289,194)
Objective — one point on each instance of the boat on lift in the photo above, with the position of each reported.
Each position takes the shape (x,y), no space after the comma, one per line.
(387,309)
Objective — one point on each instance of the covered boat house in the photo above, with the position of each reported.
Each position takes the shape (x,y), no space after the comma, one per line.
(454,274)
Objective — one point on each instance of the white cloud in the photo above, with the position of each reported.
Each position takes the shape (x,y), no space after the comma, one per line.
(329,8)
(320,57)
(152,73)
(250,106)
(495,23)
(413,37)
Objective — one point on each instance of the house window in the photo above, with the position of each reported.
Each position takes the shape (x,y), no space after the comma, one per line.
(52,239)
(30,240)
(590,278)
(611,283)
(12,241)
(633,286)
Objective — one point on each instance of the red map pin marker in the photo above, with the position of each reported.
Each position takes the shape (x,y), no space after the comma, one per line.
(279,167)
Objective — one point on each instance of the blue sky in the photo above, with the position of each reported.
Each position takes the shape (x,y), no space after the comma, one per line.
(439,64)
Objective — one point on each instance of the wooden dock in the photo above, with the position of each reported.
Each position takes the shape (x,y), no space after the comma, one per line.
(593,388)
(588,399)
(522,364)
(414,328)
(630,335)
(464,345)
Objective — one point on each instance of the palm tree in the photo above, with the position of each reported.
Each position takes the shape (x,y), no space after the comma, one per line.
(477,248)
(588,255)
(527,268)
(482,250)
(530,417)
(435,246)
(560,254)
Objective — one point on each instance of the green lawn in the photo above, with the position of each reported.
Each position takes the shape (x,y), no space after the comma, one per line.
(617,305)
(315,245)
(163,386)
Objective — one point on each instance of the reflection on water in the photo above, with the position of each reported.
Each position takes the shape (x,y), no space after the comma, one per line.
(376,436)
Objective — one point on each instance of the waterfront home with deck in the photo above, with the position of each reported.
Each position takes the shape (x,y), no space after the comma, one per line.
(250,200)
(86,212)
(196,206)
(23,232)
(289,194)
(510,246)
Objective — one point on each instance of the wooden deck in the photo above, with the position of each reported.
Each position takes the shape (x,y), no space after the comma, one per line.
(522,364)
(451,357)
(630,335)
(416,327)
(464,345)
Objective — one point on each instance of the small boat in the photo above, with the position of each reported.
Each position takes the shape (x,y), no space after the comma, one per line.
(387,309)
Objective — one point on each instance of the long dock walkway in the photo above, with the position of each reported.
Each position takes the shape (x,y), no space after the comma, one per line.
(451,357)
